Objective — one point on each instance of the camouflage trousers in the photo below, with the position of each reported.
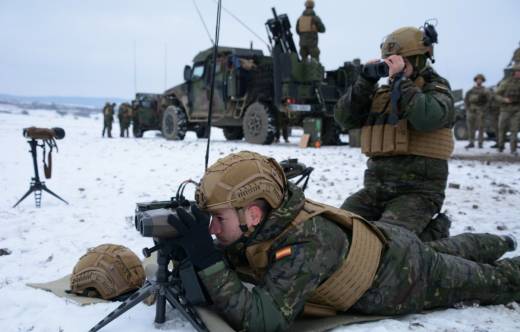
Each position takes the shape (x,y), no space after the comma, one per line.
(313,51)
(475,121)
(509,118)
(411,211)
(107,127)
(124,129)
(413,276)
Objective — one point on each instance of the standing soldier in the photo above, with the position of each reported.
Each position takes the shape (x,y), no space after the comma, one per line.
(476,103)
(108,118)
(307,27)
(406,131)
(508,94)
(124,115)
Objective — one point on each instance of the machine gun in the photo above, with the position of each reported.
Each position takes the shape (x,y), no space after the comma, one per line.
(279,32)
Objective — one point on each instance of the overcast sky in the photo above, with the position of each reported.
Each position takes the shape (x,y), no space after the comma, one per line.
(86,47)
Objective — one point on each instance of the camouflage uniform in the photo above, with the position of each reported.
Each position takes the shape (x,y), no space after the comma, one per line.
(412,276)
(494,113)
(405,190)
(509,88)
(309,39)
(108,118)
(125,115)
(476,103)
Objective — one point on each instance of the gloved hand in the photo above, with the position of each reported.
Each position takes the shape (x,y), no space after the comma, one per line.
(194,236)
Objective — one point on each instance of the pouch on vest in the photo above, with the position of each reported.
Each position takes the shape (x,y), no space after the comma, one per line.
(376,141)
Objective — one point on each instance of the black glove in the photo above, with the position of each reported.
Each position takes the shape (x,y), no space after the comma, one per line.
(194,236)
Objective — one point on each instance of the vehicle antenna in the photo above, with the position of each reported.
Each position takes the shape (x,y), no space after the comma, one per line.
(245,25)
(213,71)
(203,22)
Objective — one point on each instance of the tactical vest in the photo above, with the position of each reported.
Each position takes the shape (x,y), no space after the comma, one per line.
(306,24)
(510,88)
(478,97)
(352,279)
(386,135)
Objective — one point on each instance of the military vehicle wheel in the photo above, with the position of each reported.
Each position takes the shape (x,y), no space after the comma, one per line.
(233,133)
(202,131)
(330,132)
(259,124)
(174,123)
(460,130)
(136,130)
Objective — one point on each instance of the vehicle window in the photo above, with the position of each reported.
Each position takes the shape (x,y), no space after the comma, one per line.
(198,71)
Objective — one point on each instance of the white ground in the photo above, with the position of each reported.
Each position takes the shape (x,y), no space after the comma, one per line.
(103,179)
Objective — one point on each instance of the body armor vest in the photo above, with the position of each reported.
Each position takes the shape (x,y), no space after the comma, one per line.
(385,134)
(478,97)
(511,89)
(351,280)
(306,24)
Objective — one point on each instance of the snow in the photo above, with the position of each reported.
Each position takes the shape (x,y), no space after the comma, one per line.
(102,179)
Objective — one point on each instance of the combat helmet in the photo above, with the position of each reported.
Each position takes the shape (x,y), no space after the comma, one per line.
(481,76)
(409,41)
(107,271)
(309,4)
(239,179)
(516,56)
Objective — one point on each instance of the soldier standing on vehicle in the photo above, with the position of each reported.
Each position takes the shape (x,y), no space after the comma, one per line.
(124,115)
(308,26)
(306,257)
(476,103)
(108,118)
(406,130)
(508,94)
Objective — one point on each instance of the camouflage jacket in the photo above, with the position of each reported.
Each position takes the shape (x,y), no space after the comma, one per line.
(310,39)
(477,99)
(318,248)
(509,87)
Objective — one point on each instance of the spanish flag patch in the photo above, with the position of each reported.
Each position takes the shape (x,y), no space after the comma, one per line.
(284,252)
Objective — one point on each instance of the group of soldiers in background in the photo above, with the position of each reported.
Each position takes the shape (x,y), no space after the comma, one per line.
(501,105)
(124,115)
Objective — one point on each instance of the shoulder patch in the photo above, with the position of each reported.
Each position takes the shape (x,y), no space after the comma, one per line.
(282,253)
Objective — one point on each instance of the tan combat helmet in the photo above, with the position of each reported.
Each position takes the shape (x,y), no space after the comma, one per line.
(309,4)
(481,76)
(107,271)
(239,179)
(409,41)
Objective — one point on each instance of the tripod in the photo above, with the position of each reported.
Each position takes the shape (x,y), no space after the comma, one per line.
(179,287)
(36,185)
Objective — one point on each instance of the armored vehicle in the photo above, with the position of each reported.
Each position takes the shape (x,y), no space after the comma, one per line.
(149,114)
(256,94)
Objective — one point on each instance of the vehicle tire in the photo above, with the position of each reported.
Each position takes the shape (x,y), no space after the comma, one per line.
(202,131)
(460,130)
(330,132)
(136,130)
(233,133)
(174,123)
(259,124)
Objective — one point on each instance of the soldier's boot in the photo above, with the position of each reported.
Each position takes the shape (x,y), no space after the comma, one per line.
(480,145)
(494,146)
(103,133)
(110,134)
(470,146)
(500,149)
(511,241)
(438,228)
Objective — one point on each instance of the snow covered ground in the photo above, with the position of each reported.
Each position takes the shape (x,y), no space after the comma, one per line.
(103,179)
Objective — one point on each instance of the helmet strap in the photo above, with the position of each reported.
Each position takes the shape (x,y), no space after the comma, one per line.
(242,221)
